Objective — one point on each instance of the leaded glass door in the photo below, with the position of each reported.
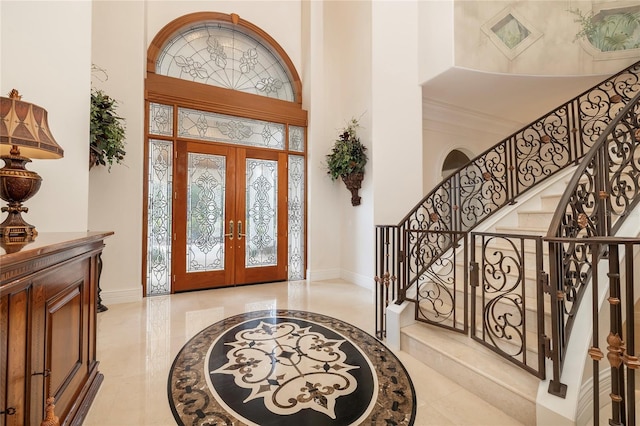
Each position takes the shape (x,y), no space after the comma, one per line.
(230,216)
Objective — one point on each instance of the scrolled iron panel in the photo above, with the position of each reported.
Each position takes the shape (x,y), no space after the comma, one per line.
(441,290)
(483,187)
(624,167)
(435,212)
(600,105)
(543,148)
(507,283)
(502,290)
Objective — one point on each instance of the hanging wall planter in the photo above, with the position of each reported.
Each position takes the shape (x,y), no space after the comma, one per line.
(107,131)
(354,183)
(347,160)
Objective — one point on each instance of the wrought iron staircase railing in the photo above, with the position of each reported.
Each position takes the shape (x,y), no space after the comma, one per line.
(600,196)
(598,130)
(491,181)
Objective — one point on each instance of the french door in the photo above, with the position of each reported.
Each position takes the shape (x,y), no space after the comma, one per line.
(229,216)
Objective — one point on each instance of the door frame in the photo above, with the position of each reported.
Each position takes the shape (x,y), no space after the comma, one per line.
(176,92)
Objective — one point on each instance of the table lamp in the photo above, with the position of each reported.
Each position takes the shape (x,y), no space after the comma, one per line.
(24,134)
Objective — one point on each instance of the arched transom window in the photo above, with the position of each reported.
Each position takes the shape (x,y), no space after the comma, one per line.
(220,54)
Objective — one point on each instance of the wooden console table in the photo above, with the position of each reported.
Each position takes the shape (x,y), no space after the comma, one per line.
(48,292)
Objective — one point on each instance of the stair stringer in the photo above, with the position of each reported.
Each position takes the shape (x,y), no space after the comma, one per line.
(576,407)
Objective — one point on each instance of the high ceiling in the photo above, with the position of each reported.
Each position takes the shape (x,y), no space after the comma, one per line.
(518,98)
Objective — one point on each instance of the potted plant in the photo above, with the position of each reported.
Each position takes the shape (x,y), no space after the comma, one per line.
(347,160)
(107,132)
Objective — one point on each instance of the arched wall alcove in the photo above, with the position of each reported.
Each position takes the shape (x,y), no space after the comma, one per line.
(455,159)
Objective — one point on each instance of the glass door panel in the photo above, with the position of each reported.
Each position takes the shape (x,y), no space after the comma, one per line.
(206,175)
(203,204)
(261,218)
(262,209)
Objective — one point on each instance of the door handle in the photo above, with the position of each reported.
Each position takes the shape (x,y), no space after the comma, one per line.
(230,234)
(240,234)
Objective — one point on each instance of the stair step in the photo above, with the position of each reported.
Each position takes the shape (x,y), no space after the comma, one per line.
(476,368)
(535,218)
(521,230)
(550,201)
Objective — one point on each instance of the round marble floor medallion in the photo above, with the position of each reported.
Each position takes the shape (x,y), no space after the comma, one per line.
(283,367)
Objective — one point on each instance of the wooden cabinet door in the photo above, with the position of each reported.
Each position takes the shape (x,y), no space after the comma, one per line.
(15,311)
(60,364)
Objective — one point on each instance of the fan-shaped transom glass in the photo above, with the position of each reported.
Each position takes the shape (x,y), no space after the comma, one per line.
(221,54)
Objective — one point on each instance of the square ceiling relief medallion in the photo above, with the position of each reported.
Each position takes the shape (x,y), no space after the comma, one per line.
(510,32)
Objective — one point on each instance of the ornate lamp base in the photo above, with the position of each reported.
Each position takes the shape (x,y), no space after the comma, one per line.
(14,226)
(17,185)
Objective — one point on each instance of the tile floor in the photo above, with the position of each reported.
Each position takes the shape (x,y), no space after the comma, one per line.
(138,341)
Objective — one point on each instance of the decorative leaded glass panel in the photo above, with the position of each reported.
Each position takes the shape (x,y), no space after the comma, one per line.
(296,138)
(159,217)
(160,119)
(221,54)
(262,212)
(210,126)
(296,217)
(205,212)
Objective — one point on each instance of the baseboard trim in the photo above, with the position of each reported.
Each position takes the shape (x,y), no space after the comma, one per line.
(322,274)
(114,297)
(358,279)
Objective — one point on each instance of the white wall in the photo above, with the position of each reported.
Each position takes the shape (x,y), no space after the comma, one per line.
(396,111)
(348,49)
(115,197)
(435,38)
(48,61)
(323,201)
(334,56)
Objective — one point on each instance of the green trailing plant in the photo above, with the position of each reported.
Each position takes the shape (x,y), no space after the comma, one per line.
(348,154)
(107,131)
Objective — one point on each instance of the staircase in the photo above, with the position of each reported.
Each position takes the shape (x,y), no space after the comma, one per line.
(470,261)
(476,367)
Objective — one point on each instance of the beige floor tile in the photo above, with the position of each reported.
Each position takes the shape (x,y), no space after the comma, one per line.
(464,408)
(137,343)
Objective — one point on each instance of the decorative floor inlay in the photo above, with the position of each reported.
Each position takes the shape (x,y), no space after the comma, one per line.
(278,367)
